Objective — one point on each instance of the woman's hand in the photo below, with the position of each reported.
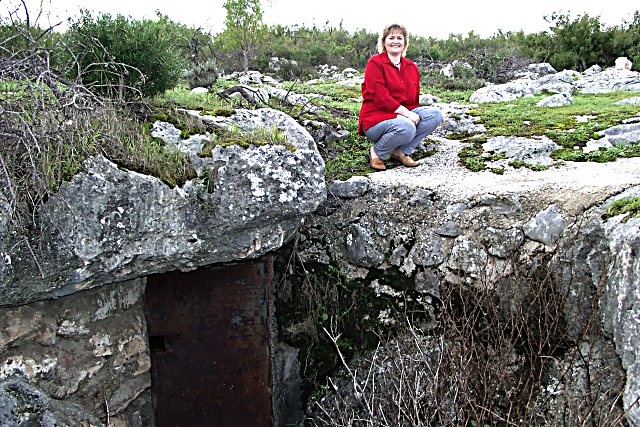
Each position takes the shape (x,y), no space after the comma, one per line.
(415,118)
(403,111)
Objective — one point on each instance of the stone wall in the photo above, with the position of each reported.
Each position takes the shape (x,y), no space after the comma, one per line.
(85,356)
(438,224)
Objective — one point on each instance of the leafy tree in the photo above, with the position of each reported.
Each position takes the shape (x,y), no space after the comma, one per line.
(579,43)
(244,26)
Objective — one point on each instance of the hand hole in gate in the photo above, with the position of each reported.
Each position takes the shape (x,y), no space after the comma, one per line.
(156,343)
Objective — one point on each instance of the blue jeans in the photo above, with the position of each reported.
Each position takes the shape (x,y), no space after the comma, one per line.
(400,133)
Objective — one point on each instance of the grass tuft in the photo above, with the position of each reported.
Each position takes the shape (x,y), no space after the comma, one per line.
(629,206)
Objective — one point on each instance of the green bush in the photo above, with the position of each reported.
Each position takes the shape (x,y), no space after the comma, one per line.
(626,40)
(464,79)
(202,74)
(123,57)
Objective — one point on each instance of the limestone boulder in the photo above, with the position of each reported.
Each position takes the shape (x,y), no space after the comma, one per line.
(594,80)
(533,151)
(109,225)
(621,301)
(609,80)
(623,63)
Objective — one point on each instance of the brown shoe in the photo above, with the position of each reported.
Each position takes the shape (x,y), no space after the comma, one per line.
(376,163)
(405,160)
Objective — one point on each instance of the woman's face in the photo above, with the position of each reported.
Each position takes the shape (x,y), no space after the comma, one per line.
(394,42)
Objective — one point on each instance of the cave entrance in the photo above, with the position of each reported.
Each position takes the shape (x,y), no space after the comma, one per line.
(210,345)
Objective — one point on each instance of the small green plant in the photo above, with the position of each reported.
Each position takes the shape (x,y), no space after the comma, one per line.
(237,136)
(471,158)
(602,155)
(522,164)
(629,206)
(204,73)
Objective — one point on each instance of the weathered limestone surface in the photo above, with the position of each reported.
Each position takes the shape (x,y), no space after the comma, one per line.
(71,360)
(621,303)
(536,81)
(109,225)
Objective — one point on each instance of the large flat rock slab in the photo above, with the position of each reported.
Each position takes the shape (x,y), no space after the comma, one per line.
(574,185)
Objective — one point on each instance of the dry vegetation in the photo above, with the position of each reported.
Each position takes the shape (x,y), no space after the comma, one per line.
(50,125)
(491,361)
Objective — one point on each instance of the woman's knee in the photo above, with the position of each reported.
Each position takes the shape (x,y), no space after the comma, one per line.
(404,126)
(430,114)
(437,116)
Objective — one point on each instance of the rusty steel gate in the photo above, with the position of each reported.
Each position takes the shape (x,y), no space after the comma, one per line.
(210,345)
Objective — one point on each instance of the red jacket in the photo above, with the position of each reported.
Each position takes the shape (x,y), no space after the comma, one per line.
(385,88)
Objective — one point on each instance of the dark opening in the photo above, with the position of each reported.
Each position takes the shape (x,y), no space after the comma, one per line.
(209,337)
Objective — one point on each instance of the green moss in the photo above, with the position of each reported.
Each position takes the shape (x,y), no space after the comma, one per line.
(522,164)
(238,137)
(629,206)
(471,158)
(219,112)
(188,124)
(569,154)
(160,116)
(602,155)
